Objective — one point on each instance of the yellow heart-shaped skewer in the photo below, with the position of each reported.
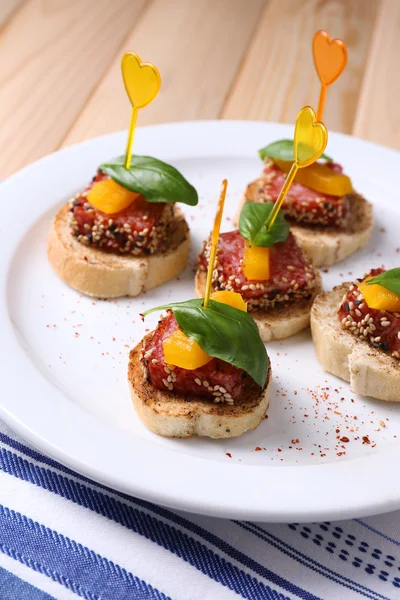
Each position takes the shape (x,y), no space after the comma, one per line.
(142,83)
(310,138)
(142,80)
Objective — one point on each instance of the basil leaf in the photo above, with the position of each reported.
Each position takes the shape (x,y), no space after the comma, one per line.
(389,280)
(253,217)
(223,332)
(283,150)
(154,179)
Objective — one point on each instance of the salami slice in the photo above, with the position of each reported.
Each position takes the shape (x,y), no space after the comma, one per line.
(141,229)
(291,275)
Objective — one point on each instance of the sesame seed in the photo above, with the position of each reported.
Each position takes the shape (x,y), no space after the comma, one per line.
(206,384)
(165,382)
(155,361)
(358,312)
(290,268)
(198,381)
(167,370)
(385,323)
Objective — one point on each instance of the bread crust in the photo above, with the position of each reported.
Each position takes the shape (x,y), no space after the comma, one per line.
(103,274)
(326,245)
(173,415)
(370,371)
(277,323)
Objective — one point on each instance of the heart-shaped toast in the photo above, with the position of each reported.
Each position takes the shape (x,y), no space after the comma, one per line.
(142,80)
(330,57)
(310,138)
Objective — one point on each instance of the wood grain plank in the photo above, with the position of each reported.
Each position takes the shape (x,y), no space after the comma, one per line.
(7,8)
(197,46)
(53,53)
(378,115)
(278,76)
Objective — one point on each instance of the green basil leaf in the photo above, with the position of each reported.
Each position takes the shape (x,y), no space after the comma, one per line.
(223,332)
(389,280)
(283,150)
(154,179)
(253,217)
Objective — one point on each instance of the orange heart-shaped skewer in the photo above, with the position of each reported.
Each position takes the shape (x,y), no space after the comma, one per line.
(330,58)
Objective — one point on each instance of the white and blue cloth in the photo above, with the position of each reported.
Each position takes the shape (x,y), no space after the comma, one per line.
(64,536)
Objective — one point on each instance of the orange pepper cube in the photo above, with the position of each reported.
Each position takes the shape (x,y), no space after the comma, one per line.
(110,197)
(378,297)
(231,298)
(256,263)
(321,178)
(182,351)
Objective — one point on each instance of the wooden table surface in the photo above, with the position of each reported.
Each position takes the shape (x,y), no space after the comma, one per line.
(60,79)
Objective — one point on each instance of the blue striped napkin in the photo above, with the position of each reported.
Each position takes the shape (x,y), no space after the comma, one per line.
(64,536)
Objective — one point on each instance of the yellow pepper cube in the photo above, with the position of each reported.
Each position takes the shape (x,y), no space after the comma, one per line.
(378,297)
(110,197)
(182,351)
(231,298)
(321,178)
(256,263)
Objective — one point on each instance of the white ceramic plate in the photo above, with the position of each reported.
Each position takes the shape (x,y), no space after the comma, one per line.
(63,357)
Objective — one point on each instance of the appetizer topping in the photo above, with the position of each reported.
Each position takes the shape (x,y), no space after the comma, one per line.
(291,275)
(256,263)
(182,351)
(302,204)
(253,228)
(321,178)
(223,332)
(217,380)
(379,326)
(109,197)
(140,229)
(185,352)
(153,179)
(376,296)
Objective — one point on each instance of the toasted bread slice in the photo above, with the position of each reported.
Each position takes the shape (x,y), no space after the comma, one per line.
(370,371)
(279,322)
(104,274)
(326,245)
(173,415)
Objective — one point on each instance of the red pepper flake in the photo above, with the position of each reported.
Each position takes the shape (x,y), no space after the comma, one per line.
(76,334)
(257,449)
(228,454)
(366,439)
(344,439)
(340,453)
(279,449)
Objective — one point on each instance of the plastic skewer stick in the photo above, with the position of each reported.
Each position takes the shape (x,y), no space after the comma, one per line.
(214,241)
